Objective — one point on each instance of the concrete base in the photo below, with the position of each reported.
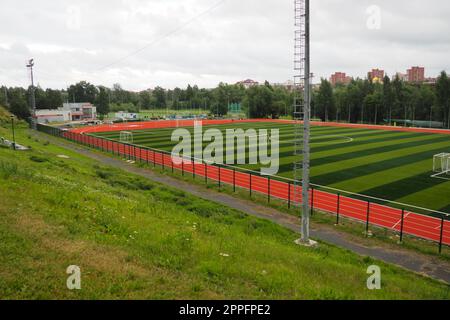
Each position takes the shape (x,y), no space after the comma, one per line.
(309,244)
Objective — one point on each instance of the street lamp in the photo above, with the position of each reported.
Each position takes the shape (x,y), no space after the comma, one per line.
(14,136)
(30,66)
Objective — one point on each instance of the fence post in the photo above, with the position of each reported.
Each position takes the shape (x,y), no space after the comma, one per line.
(206,173)
(268,189)
(338,211)
(367,219)
(234,180)
(441,239)
(312,201)
(193,169)
(289,194)
(220,177)
(250,185)
(401,225)
(154,159)
(182,168)
(163,165)
(171,164)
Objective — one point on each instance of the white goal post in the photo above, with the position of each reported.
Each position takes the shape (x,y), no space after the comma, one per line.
(126,136)
(441,163)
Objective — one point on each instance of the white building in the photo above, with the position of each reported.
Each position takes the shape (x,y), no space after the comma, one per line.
(49,116)
(69,112)
(81,111)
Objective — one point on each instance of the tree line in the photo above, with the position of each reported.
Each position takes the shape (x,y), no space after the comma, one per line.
(258,101)
(361,101)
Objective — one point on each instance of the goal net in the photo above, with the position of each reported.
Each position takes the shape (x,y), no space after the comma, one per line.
(441,163)
(126,136)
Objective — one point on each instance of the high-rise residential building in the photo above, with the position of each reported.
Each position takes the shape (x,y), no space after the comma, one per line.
(376,75)
(416,74)
(340,78)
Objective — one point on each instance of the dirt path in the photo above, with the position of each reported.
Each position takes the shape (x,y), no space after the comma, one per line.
(413,261)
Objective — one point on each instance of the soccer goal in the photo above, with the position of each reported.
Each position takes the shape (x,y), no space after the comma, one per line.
(441,163)
(126,136)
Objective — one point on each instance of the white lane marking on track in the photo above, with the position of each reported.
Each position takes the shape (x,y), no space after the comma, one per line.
(400,221)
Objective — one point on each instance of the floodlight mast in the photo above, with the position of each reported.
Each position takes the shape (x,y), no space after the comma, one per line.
(302,110)
(30,65)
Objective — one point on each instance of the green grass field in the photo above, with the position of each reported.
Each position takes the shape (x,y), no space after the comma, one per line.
(135,239)
(396,166)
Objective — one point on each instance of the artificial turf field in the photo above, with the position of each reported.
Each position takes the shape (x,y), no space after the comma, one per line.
(391,165)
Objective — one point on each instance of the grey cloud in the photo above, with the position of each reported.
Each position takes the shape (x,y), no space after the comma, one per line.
(237,40)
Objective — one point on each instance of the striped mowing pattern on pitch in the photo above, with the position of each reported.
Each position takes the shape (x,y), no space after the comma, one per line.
(386,164)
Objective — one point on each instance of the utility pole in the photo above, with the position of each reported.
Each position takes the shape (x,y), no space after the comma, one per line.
(30,65)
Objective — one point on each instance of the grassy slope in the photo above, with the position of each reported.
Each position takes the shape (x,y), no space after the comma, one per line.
(135,239)
(391,165)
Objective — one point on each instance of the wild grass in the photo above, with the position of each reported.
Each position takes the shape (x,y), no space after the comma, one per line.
(135,239)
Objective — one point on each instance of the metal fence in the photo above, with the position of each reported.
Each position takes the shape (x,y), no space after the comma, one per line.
(397,217)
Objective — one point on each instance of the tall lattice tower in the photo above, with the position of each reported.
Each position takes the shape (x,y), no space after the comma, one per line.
(302,103)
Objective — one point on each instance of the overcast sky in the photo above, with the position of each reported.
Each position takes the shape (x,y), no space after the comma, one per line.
(145,43)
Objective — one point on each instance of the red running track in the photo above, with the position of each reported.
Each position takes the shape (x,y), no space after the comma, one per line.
(188,123)
(414,224)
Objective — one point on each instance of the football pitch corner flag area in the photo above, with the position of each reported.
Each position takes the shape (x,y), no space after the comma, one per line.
(380,176)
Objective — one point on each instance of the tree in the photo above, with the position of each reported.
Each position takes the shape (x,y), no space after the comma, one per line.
(118,94)
(443,97)
(4,96)
(341,102)
(41,99)
(259,101)
(102,101)
(159,95)
(324,102)
(427,99)
(82,92)
(18,103)
(54,99)
(373,104)
(388,98)
(146,99)
(399,98)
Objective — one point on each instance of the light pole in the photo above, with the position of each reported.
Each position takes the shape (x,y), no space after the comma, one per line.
(14,135)
(30,65)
